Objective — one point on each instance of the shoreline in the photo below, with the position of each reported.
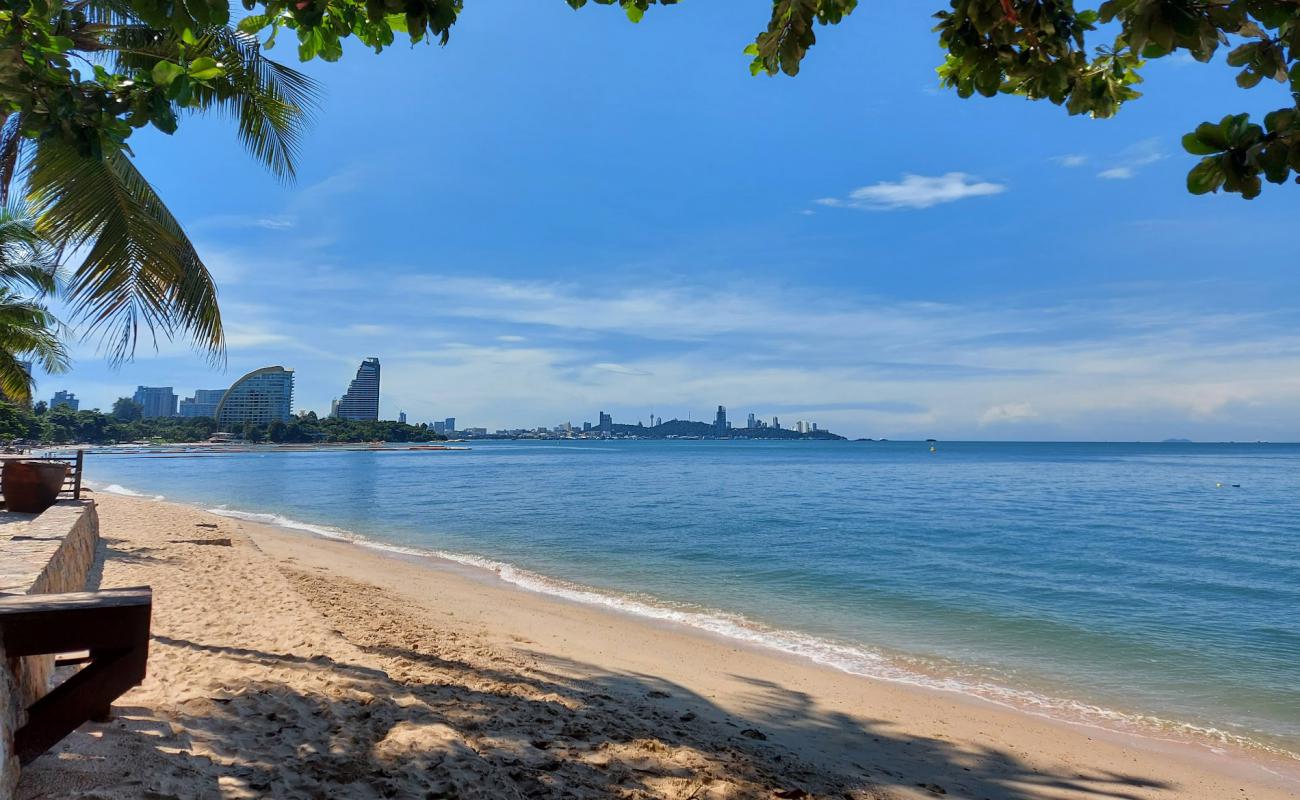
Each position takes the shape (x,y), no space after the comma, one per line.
(732,628)
(378,565)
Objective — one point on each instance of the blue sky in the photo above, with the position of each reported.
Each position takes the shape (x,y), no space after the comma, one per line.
(561,212)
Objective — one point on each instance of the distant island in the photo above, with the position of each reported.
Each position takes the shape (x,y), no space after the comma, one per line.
(686,429)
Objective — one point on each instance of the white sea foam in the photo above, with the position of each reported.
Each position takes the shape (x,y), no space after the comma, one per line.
(847,657)
(117,488)
(284,522)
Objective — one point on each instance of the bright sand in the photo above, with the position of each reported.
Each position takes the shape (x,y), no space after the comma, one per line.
(285,665)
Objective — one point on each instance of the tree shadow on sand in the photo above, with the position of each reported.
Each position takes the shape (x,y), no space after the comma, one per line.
(412,722)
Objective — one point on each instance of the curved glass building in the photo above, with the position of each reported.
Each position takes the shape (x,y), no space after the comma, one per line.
(260,397)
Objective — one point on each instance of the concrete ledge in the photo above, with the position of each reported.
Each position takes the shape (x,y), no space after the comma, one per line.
(44,554)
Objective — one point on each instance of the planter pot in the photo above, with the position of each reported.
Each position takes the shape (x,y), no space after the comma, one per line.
(31,486)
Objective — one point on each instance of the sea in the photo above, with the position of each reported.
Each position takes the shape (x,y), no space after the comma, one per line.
(1148,587)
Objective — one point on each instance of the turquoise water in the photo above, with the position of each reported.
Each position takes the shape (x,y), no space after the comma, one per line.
(1117,583)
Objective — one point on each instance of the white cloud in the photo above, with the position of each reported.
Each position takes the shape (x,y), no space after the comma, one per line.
(244,336)
(619,369)
(274,223)
(1136,363)
(1140,154)
(1007,412)
(235,221)
(1071,161)
(915,191)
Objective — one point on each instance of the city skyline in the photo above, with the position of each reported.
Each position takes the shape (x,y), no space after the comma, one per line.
(155,400)
(794,414)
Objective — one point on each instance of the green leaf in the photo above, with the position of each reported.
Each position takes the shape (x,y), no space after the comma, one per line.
(254,23)
(1273,161)
(309,42)
(1213,135)
(634,12)
(181,90)
(1193,145)
(1249,80)
(1205,177)
(164,72)
(205,68)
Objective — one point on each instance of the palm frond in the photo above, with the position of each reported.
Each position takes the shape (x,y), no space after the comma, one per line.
(108,12)
(28,331)
(25,258)
(270,103)
(11,148)
(139,266)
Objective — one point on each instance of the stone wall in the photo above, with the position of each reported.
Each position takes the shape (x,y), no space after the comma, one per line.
(44,554)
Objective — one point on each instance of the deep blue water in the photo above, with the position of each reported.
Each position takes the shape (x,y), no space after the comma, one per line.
(1086,578)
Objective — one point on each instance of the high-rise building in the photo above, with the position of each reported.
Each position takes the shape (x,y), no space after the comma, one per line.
(401,417)
(260,397)
(776,423)
(749,423)
(720,421)
(362,398)
(203,404)
(439,427)
(65,398)
(814,426)
(586,427)
(156,401)
(450,424)
(606,422)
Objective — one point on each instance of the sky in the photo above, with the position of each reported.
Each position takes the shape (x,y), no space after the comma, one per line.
(561,213)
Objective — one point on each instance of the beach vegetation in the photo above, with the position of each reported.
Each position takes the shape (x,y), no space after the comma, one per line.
(62,425)
(126,409)
(29,333)
(76,79)
(168,58)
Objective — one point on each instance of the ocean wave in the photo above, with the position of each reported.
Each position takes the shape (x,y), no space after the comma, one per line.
(851,658)
(117,488)
(285,522)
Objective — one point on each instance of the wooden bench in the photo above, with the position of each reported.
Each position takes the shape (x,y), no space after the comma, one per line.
(113,625)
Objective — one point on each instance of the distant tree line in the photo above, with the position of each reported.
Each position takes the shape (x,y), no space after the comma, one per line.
(310,428)
(681,427)
(125,423)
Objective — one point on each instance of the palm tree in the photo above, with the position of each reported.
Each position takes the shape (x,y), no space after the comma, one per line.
(28,331)
(136,267)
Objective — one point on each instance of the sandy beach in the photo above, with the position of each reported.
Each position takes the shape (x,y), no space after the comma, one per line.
(290,666)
